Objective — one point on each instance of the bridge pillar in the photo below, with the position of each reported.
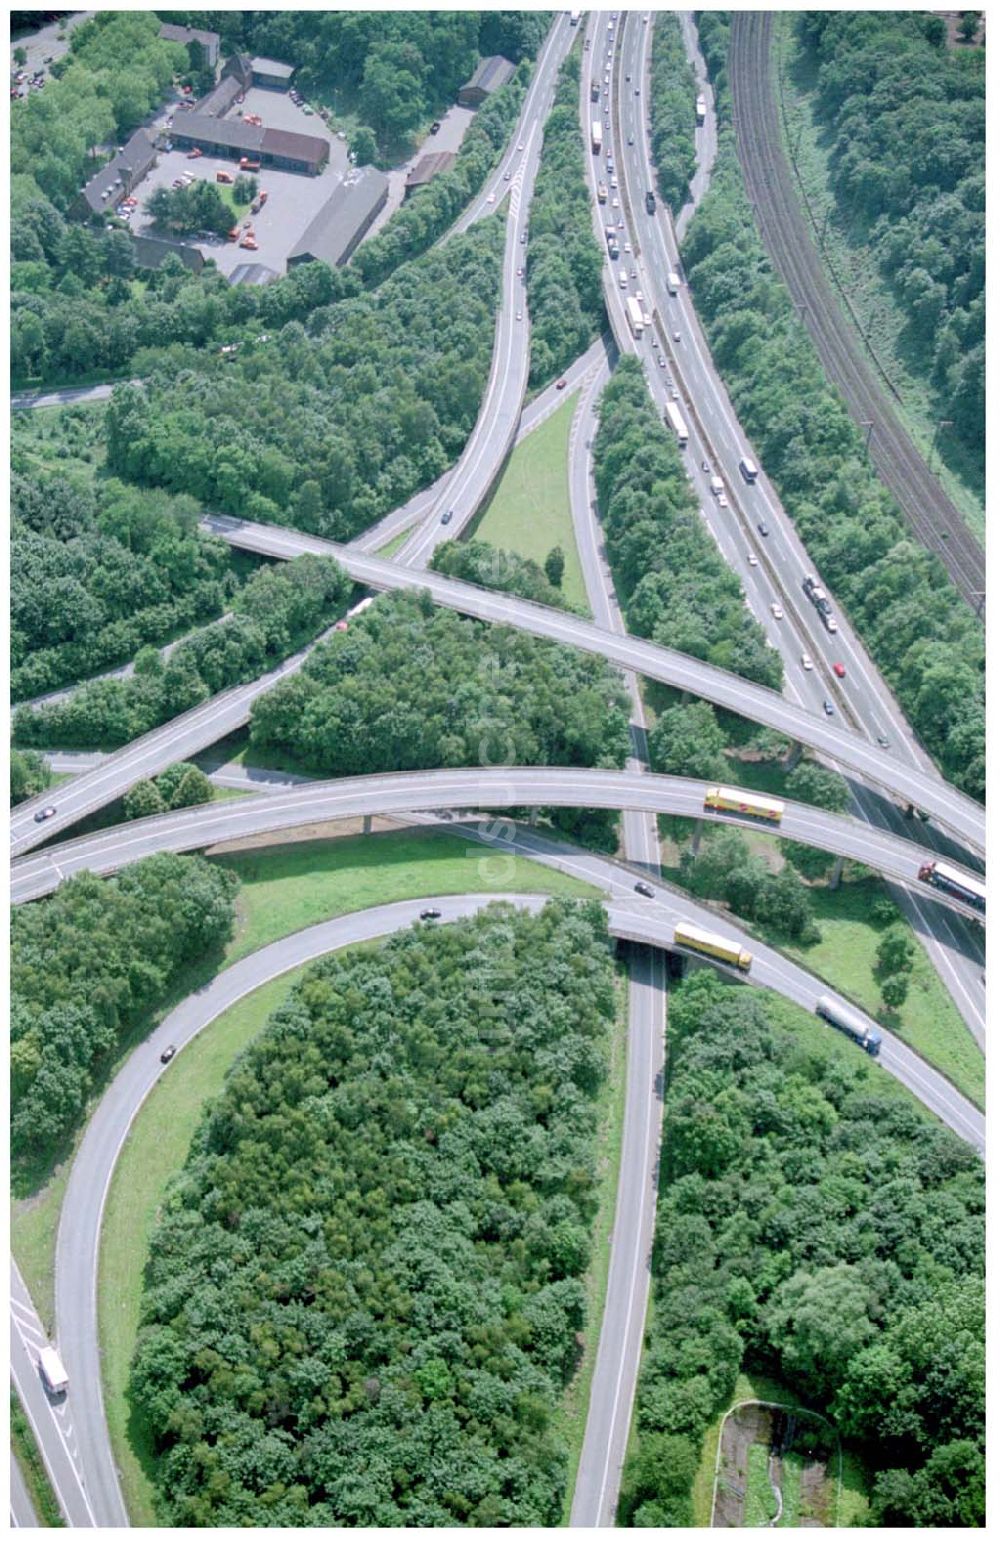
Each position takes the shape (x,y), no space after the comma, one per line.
(835,876)
(696,834)
(366,825)
(533,814)
(793,757)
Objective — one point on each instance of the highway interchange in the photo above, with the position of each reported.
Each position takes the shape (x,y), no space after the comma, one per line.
(867,710)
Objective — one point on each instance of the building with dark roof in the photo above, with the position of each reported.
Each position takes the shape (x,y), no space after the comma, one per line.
(272,74)
(428,167)
(218,101)
(252,273)
(490,74)
(238,66)
(208,42)
(343,220)
(151,252)
(232,138)
(117,178)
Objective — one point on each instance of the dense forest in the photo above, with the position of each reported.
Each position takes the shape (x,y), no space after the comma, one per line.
(99,570)
(278,609)
(396,69)
(409,688)
(564,262)
(430,211)
(372,399)
(477,562)
(674,586)
(906,116)
(29,775)
(922,635)
(816,1225)
(364,1295)
(671,103)
(84,966)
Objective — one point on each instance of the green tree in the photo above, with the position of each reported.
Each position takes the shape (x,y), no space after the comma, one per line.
(143,800)
(894,954)
(688,741)
(817,1320)
(29,775)
(364,146)
(968,25)
(895,988)
(194,787)
(555,566)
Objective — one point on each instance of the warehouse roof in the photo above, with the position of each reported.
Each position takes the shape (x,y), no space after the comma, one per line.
(234,134)
(490,73)
(273,67)
(349,210)
(429,166)
(252,273)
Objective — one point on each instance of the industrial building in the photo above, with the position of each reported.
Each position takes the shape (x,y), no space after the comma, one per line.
(208,42)
(343,220)
(490,74)
(117,178)
(428,167)
(277,148)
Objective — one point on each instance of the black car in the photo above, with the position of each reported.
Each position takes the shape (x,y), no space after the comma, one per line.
(435,127)
(168,1054)
(446,516)
(430,915)
(762,527)
(646,889)
(883,741)
(43,814)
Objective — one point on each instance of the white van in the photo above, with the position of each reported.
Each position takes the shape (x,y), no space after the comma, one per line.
(716,485)
(748,470)
(52,1369)
(673,283)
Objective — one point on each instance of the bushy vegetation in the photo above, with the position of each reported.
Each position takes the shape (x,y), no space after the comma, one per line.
(671,100)
(364,1297)
(907,120)
(98,570)
(29,775)
(278,609)
(814,1226)
(179,211)
(725,868)
(477,562)
(182,785)
(331,426)
(431,210)
(673,584)
(564,262)
(409,687)
(84,966)
(921,634)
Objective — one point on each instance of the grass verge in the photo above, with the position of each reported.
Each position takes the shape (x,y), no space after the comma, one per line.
(530,511)
(572,1420)
(392,546)
(759,1505)
(24,1450)
(287,888)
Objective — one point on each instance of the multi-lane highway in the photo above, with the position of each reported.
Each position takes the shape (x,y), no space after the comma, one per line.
(933,517)
(771,567)
(189,829)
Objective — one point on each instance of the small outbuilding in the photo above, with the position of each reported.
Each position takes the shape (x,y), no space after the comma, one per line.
(252,273)
(426,169)
(343,220)
(271,74)
(490,74)
(152,252)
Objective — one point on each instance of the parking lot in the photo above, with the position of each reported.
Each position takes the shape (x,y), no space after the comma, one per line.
(293,200)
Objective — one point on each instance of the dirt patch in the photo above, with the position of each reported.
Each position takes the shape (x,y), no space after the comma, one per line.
(321,830)
(803,1462)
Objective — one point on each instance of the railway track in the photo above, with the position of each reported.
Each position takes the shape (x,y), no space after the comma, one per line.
(932,516)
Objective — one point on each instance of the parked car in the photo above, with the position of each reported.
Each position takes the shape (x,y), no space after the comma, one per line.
(194,155)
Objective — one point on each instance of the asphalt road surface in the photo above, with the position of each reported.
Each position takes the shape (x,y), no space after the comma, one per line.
(51,1419)
(933,517)
(22,1511)
(208,824)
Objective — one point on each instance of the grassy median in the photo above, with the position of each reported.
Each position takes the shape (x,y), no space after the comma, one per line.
(530,511)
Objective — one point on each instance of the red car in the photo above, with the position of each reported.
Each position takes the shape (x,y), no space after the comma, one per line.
(839,671)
